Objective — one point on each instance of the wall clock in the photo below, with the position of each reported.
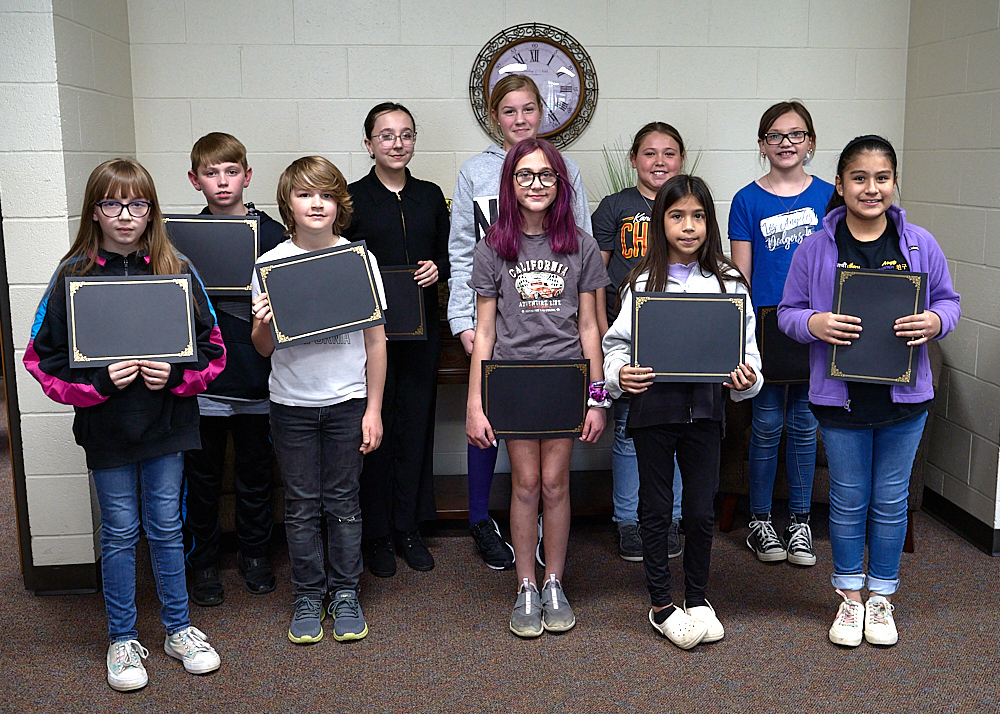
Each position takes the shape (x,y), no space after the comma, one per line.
(561,68)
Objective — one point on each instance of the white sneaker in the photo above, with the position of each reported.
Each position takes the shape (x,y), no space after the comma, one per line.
(190,647)
(848,628)
(680,628)
(125,669)
(706,613)
(880,628)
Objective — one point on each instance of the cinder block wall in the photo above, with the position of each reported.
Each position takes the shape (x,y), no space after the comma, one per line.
(951,186)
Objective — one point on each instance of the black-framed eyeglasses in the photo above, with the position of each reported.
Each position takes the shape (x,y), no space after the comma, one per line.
(794,137)
(388,138)
(113,209)
(525,178)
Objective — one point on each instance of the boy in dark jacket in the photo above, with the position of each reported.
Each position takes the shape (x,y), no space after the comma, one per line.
(236,402)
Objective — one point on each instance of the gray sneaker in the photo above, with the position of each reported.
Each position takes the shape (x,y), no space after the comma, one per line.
(306,628)
(557,615)
(348,620)
(675,548)
(526,619)
(629,542)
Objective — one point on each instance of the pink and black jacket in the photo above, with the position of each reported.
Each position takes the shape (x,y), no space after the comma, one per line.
(118,427)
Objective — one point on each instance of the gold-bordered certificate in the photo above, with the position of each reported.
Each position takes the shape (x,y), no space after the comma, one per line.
(223,249)
(320,294)
(406,320)
(111,319)
(535,400)
(689,337)
(879,298)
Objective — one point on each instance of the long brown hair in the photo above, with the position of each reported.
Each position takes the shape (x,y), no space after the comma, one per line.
(656,261)
(119,178)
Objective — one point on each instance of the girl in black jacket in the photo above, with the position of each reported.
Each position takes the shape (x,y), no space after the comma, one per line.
(405,222)
(134,418)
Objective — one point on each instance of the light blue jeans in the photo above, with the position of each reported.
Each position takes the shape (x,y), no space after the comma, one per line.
(159,508)
(869,484)
(625,472)
(774,408)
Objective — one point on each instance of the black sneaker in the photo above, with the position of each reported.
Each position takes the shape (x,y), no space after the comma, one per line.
(540,548)
(675,548)
(629,542)
(799,541)
(410,545)
(493,549)
(381,561)
(257,574)
(206,588)
(763,541)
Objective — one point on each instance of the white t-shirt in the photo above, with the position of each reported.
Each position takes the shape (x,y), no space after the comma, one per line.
(327,371)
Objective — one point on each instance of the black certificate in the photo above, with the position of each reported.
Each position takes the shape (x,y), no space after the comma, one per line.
(783,360)
(689,337)
(535,400)
(111,319)
(320,294)
(404,320)
(223,249)
(879,298)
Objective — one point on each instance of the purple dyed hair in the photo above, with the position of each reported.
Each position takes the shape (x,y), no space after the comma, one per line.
(504,236)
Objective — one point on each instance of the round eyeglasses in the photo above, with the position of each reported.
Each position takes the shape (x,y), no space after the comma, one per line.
(525,178)
(113,209)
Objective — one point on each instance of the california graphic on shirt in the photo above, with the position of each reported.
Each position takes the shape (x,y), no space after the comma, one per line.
(783,230)
(540,284)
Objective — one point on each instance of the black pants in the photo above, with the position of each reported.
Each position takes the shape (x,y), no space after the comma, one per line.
(203,486)
(696,445)
(397,483)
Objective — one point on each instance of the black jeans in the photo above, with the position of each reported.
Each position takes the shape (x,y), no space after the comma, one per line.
(203,486)
(697,446)
(397,484)
(319,454)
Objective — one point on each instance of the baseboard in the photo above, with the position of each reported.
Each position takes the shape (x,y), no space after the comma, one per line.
(965,524)
(79,579)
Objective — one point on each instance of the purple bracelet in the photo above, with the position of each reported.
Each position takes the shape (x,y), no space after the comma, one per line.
(598,393)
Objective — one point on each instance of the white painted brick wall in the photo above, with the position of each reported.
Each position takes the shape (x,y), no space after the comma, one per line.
(951,186)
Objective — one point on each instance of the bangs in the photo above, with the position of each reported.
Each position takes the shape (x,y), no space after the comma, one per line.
(124,180)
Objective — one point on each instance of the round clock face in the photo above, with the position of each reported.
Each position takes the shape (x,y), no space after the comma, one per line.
(559,66)
(555,71)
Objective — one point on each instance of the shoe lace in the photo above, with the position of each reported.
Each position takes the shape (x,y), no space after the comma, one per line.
(192,640)
(346,607)
(306,609)
(127,654)
(849,611)
(765,534)
(801,537)
(880,610)
(487,535)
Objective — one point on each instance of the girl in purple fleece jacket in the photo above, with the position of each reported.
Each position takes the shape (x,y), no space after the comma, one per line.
(871,431)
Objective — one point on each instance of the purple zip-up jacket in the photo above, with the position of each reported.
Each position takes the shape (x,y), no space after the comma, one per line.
(809,290)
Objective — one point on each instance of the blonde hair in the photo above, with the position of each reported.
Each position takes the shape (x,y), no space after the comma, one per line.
(119,178)
(218,148)
(511,83)
(319,174)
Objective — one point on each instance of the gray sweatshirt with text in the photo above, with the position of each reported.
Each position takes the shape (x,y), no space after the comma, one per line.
(474,208)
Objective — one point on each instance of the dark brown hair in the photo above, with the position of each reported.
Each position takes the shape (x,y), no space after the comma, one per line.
(656,261)
(869,143)
(383,108)
(218,148)
(655,127)
(775,111)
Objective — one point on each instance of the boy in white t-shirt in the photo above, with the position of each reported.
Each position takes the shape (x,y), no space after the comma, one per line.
(326,414)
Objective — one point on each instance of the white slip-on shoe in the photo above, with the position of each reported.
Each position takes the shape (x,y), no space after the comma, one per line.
(680,628)
(706,613)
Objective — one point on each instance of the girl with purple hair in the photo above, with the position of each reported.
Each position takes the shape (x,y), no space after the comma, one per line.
(552,315)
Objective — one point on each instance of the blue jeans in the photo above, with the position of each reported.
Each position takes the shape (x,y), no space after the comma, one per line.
(319,454)
(869,484)
(159,508)
(771,411)
(625,472)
